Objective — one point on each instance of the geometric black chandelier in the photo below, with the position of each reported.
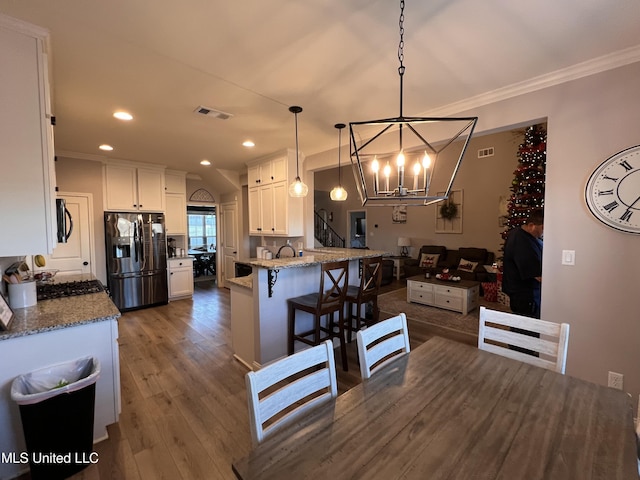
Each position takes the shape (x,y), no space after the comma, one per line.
(394,163)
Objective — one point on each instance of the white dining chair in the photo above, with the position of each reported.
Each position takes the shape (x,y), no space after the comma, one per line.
(381,343)
(551,345)
(282,391)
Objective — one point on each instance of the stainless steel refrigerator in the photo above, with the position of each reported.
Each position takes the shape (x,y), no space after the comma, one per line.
(136,259)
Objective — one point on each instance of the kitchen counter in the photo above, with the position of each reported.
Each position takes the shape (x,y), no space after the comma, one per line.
(259,301)
(314,257)
(244,282)
(48,315)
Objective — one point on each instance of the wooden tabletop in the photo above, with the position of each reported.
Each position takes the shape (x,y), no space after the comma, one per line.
(449,410)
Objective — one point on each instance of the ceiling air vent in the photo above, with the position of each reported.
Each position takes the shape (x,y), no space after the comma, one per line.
(212,112)
(485,152)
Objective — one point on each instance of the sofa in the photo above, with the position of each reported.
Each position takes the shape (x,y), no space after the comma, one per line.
(466,262)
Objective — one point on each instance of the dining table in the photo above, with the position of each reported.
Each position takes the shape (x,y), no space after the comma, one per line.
(203,261)
(448,410)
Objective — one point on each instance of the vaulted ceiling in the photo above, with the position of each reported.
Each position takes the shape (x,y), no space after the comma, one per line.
(337,59)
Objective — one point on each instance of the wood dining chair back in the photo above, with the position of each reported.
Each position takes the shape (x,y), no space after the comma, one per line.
(494,335)
(362,295)
(329,300)
(284,390)
(382,343)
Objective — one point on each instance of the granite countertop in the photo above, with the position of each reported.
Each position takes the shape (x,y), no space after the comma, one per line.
(245,282)
(314,257)
(47,315)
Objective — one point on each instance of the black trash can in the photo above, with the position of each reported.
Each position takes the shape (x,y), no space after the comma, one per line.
(57,408)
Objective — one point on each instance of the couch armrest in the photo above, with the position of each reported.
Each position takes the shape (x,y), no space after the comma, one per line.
(412,262)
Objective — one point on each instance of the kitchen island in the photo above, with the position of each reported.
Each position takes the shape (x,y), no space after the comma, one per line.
(259,301)
(57,331)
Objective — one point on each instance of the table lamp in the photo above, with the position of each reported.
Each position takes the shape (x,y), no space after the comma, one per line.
(403,243)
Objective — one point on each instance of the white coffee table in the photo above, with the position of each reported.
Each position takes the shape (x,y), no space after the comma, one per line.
(459,296)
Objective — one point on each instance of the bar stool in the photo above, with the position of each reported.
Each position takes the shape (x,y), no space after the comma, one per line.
(334,280)
(370,280)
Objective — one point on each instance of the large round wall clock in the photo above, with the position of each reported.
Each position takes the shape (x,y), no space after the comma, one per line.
(613,191)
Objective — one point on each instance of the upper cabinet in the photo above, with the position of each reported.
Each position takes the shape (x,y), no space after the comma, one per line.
(272,211)
(131,187)
(268,171)
(27,183)
(175,202)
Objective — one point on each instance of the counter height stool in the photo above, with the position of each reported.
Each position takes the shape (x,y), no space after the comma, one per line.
(334,279)
(367,291)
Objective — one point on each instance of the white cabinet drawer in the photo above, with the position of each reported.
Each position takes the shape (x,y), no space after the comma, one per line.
(448,301)
(449,291)
(420,296)
(419,292)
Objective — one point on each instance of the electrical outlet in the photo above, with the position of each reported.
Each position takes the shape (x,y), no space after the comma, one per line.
(616,380)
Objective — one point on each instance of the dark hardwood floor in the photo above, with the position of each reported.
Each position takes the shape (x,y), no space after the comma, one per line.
(184,409)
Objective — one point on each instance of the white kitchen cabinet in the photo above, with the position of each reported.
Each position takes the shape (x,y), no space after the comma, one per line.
(129,187)
(180,271)
(176,214)
(175,182)
(175,203)
(268,171)
(27,183)
(272,211)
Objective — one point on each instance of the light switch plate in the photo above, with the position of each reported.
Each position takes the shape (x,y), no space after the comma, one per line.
(568,257)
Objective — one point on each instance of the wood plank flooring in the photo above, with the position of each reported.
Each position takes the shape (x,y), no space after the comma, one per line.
(184,409)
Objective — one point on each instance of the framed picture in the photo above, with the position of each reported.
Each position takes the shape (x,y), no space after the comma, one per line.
(6,314)
(399,214)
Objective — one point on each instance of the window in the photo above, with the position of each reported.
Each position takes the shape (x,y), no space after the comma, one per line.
(202,227)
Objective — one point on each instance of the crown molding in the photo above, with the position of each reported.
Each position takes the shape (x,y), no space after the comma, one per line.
(81,156)
(590,67)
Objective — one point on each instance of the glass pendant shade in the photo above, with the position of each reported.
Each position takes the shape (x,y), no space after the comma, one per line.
(339,194)
(298,188)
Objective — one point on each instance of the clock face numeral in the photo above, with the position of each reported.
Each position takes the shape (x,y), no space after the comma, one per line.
(626,216)
(612,192)
(626,165)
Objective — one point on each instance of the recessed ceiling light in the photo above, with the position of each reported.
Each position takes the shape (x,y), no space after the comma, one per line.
(106,148)
(248,143)
(123,116)
(205,162)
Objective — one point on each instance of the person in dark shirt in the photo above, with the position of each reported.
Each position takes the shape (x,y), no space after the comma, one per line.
(522,266)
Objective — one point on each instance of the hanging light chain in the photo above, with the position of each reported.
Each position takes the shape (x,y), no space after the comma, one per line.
(401,43)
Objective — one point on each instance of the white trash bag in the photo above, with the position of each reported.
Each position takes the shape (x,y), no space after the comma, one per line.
(48,382)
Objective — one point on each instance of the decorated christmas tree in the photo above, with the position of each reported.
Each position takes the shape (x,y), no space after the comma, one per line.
(527,187)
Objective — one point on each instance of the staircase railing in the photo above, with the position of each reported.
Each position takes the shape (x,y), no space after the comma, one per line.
(326,235)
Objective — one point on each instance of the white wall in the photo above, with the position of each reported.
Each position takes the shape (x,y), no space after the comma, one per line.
(588,120)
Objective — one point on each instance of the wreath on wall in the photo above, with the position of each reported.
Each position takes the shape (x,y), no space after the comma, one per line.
(448,210)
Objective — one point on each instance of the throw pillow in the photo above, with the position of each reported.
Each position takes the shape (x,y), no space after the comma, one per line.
(467,265)
(429,260)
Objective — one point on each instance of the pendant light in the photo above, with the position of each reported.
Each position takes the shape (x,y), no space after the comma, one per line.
(417,169)
(298,188)
(339,194)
